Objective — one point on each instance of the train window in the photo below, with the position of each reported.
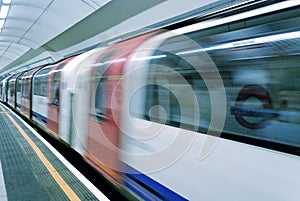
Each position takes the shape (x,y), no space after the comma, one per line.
(173,93)
(259,67)
(158,107)
(99,80)
(25,87)
(100,100)
(55,90)
(12,88)
(162,105)
(1,95)
(40,83)
(18,85)
(56,85)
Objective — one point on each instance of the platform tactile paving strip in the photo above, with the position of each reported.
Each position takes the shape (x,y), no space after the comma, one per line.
(25,176)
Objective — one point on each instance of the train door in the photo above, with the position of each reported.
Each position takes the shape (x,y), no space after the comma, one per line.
(54,97)
(12,89)
(39,96)
(26,92)
(18,92)
(74,101)
(24,108)
(105,104)
(3,89)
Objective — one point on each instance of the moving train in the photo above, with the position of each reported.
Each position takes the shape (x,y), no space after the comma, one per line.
(206,111)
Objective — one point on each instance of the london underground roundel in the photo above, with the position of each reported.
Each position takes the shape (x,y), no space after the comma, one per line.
(249,116)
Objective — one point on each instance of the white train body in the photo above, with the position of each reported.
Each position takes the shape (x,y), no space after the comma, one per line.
(208,111)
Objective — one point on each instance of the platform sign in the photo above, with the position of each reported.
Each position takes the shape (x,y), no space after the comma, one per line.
(253,117)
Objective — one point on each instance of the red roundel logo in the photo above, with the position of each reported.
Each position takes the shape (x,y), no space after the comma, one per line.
(253,117)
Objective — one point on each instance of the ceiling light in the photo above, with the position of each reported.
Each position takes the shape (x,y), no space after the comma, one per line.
(4,11)
(241,16)
(1,23)
(6,1)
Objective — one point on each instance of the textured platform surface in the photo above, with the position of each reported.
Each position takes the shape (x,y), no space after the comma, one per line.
(29,170)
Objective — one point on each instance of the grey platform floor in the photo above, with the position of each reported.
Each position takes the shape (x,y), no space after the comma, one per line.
(28,168)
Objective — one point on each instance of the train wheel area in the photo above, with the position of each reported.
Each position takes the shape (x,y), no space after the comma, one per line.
(32,169)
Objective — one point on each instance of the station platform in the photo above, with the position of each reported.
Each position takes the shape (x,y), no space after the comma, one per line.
(31,169)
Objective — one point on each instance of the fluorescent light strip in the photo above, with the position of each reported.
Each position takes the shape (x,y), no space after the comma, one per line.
(253,41)
(4,11)
(6,1)
(148,58)
(252,13)
(1,23)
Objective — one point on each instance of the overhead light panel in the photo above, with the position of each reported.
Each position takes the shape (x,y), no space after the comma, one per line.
(1,23)
(4,12)
(240,16)
(6,1)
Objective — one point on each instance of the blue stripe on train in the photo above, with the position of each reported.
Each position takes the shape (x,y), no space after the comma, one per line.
(147,188)
(39,117)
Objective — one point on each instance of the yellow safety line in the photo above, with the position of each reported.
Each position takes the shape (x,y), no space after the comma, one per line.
(60,181)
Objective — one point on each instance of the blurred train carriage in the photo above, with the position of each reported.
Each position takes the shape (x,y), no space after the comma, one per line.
(103,139)
(46,94)
(14,91)
(26,92)
(4,89)
(40,90)
(207,111)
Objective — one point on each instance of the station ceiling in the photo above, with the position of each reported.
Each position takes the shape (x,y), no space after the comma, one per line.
(36,26)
